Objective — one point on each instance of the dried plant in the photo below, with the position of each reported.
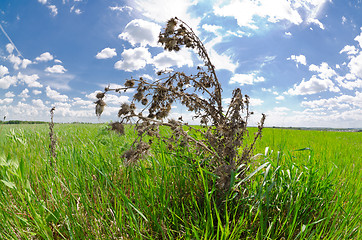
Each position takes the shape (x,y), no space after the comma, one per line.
(53,141)
(222,130)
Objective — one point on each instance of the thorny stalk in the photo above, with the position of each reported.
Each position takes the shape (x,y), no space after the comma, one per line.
(221,134)
(53,141)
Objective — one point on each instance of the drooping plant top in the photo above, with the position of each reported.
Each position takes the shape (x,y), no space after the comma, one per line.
(223,130)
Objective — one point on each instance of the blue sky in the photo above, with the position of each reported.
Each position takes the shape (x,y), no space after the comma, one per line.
(299,61)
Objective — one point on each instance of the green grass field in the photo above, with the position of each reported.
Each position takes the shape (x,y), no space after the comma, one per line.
(303,185)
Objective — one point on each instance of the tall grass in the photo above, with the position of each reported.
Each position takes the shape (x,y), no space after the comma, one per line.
(302,185)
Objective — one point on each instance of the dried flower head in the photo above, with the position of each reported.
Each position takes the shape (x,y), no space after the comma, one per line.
(100,104)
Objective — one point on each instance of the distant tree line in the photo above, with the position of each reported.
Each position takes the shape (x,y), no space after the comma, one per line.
(21,122)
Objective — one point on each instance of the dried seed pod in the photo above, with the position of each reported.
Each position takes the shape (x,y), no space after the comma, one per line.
(100,95)
(129,83)
(144,101)
(100,104)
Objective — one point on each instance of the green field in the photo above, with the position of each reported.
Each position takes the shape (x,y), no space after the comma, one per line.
(303,185)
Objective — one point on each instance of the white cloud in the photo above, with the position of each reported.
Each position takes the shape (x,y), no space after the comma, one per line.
(58,61)
(312,86)
(9,94)
(53,9)
(56,69)
(355,65)
(133,59)
(10,48)
(121,9)
(36,92)
(25,63)
(344,19)
(211,28)
(162,10)
(24,93)
(7,81)
(359,39)
(3,70)
(6,101)
(220,61)
(53,94)
(255,102)
(274,11)
(38,103)
(166,59)
(298,59)
(350,50)
(106,53)
(44,57)
(280,97)
(324,70)
(343,101)
(78,11)
(42,1)
(316,22)
(16,61)
(246,79)
(30,80)
(288,33)
(141,32)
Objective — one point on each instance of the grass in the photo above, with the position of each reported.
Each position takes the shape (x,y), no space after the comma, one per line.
(303,185)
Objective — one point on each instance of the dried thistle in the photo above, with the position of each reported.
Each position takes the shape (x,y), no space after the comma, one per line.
(223,131)
(100,104)
(117,127)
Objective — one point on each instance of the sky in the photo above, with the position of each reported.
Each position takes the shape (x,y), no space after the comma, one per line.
(300,61)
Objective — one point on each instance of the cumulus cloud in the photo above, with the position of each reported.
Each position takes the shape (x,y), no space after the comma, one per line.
(53,94)
(7,81)
(343,101)
(36,92)
(246,79)
(312,86)
(121,9)
(162,10)
(165,60)
(350,50)
(9,94)
(280,97)
(133,59)
(355,65)
(324,70)
(106,53)
(298,59)
(359,39)
(255,102)
(30,80)
(221,61)
(211,28)
(53,9)
(24,93)
(18,62)
(316,22)
(273,11)
(141,32)
(10,48)
(3,70)
(42,1)
(56,69)
(6,101)
(44,57)
(38,103)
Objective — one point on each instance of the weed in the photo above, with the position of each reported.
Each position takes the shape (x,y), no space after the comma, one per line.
(222,132)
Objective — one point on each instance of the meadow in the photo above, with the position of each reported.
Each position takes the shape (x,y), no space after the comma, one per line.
(300,185)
